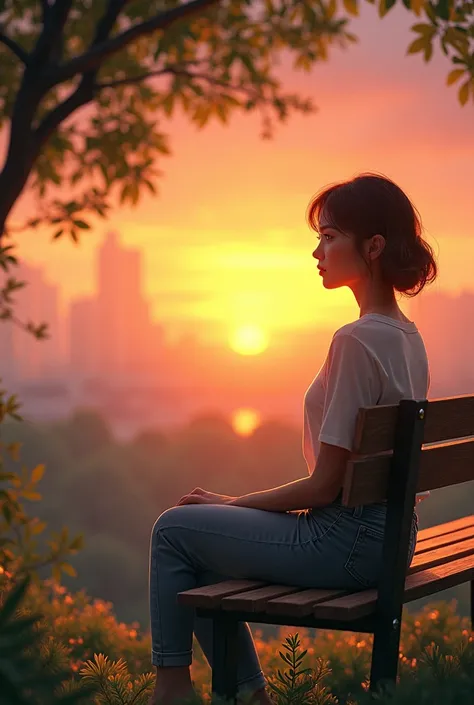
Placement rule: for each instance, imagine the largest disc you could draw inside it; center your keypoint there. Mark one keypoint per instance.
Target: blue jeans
(198, 544)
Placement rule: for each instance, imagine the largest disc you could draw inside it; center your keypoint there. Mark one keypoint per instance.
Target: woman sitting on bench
(370, 239)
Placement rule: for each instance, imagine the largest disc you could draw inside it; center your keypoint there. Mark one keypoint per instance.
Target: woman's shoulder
(374, 333)
(374, 324)
(353, 330)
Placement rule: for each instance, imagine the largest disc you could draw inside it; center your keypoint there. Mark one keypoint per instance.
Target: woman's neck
(392, 312)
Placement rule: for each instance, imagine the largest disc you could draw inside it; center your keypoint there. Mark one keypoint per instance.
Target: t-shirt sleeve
(353, 381)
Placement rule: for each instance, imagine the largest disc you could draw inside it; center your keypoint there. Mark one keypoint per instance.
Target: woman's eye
(327, 236)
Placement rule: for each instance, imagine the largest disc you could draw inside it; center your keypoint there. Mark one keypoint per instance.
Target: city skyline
(134, 340)
(118, 361)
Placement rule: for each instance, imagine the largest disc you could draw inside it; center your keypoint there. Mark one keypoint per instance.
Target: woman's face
(339, 261)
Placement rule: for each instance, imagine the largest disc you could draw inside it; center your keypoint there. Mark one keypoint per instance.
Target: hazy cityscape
(108, 353)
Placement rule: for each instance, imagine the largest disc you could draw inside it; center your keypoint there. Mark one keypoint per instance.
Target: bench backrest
(400, 450)
(447, 448)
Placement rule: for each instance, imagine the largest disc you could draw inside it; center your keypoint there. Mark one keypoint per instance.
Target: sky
(226, 244)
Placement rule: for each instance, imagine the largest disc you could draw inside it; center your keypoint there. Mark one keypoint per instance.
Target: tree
(80, 93)
(58, 58)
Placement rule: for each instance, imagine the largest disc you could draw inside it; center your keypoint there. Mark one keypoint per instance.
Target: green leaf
(56, 571)
(427, 30)
(7, 513)
(37, 473)
(31, 496)
(417, 6)
(464, 93)
(150, 185)
(385, 6)
(77, 543)
(442, 9)
(13, 601)
(168, 103)
(69, 569)
(418, 45)
(38, 528)
(352, 7)
(453, 76)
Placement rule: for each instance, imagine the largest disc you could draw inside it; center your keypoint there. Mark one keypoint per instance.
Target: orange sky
(226, 242)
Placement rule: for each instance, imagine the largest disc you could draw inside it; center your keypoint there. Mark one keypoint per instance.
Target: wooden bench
(399, 450)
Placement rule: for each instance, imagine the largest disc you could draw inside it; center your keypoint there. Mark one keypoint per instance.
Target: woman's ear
(376, 246)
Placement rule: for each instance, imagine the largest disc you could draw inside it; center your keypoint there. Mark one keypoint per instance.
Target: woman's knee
(172, 517)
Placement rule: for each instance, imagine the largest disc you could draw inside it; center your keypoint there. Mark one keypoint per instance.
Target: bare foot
(173, 686)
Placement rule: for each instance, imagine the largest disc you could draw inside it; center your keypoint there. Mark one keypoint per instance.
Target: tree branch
(14, 47)
(82, 95)
(130, 81)
(54, 18)
(148, 74)
(178, 72)
(93, 58)
(108, 20)
(85, 91)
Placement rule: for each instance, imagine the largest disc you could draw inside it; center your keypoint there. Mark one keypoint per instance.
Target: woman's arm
(295, 495)
(318, 490)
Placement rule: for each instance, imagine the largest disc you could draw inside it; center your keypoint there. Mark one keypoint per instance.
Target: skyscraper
(112, 335)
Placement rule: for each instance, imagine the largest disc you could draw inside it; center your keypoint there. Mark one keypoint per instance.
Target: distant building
(23, 356)
(112, 335)
(83, 336)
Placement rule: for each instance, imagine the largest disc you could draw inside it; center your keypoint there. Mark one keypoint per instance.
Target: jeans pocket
(364, 560)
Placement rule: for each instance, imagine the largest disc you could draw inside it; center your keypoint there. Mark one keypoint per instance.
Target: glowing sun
(249, 339)
(245, 421)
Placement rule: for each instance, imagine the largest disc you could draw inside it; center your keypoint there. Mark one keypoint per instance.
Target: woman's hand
(200, 496)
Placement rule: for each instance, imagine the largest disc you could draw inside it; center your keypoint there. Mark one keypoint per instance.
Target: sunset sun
(249, 339)
(245, 421)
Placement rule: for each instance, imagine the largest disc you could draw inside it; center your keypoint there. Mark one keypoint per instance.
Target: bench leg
(224, 657)
(385, 655)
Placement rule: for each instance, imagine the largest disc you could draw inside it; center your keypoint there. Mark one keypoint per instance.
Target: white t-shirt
(373, 360)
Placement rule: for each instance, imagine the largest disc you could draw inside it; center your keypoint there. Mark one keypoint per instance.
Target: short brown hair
(371, 203)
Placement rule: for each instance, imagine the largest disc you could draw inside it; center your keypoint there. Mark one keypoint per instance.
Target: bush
(57, 647)
(80, 641)
(33, 667)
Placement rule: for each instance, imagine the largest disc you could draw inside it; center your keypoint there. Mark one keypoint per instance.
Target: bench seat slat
(209, 596)
(253, 600)
(437, 546)
(301, 603)
(419, 584)
(447, 527)
(297, 602)
(444, 540)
